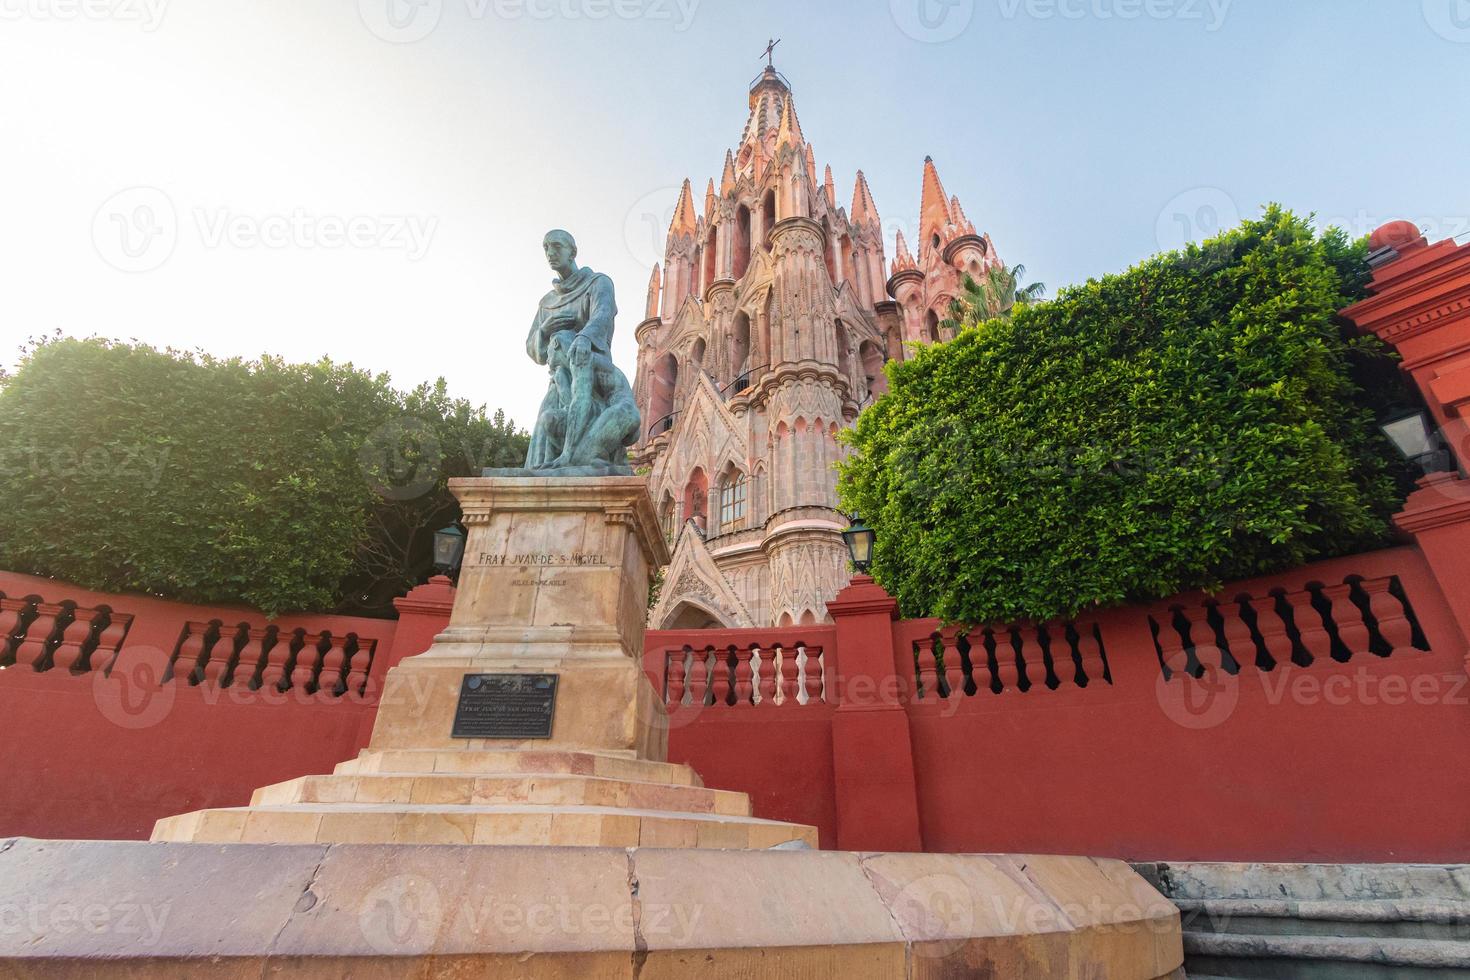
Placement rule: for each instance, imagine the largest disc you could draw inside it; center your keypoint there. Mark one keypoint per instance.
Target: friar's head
(561, 252)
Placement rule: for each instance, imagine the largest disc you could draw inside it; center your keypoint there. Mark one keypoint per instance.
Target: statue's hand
(581, 351)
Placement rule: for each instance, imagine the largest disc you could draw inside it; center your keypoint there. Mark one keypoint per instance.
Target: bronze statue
(589, 417)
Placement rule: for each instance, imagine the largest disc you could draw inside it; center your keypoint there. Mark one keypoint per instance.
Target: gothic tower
(766, 332)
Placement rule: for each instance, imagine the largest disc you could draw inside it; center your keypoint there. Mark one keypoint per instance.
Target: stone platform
(108, 909)
(488, 797)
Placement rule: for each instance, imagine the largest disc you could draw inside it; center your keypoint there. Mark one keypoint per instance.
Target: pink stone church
(766, 333)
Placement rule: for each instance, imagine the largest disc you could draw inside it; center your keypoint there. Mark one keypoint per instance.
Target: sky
(370, 180)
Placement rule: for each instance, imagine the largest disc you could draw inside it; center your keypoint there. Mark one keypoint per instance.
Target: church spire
(934, 215)
(727, 179)
(903, 259)
(863, 208)
(709, 200)
(655, 287)
(684, 221)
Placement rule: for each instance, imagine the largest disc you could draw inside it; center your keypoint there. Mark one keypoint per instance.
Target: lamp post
(859, 539)
(1413, 435)
(448, 549)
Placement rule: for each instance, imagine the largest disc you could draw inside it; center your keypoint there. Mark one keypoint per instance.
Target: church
(766, 331)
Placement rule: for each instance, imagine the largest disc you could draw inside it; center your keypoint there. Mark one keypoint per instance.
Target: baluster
(334, 663)
(1273, 634)
(767, 680)
(1089, 654)
(1238, 638)
(813, 675)
(721, 678)
(954, 670)
(788, 675)
(247, 664)
(358, 667)
(1006, 670)
(1309, 625)
(927, 666)
(10, 612)
(109, 641)
(191, 649)
(273, 675)
(674, 674)
(32, 649)
(1207, 652)
(699, 677)
(221, 658)
(743, 687)
(1031, 656)
(1393, 626)
(68, 655)
(308, 659)
(1351, 629)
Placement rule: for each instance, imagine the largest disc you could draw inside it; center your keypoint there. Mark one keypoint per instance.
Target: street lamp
(1413, 436)
(859, 539)
(448, 549)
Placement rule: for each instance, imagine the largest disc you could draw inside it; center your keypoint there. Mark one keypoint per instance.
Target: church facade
(766, 331)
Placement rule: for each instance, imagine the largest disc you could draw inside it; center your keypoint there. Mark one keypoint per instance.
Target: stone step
(540, 789)
(1378, 918)
(415, 762)
(1323, 958)
(522, 824)
(1310, 882)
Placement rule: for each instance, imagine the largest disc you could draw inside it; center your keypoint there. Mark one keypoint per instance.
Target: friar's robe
(589, 297)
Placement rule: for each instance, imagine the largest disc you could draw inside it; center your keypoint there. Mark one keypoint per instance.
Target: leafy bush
(281, 486)
(1193, 420)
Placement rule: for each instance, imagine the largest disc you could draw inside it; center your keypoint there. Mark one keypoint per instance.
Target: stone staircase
(567, 799)
(1320, 921)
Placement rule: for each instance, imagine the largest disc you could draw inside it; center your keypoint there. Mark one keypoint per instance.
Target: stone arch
(691, 614)
(734, 499)
(711, 257)
(739, 343)
(668, 511)
(696, 352)
(696, 498)
(827, 251)
(742, 241)
(665, 386)
(842, 339)
(931, 327)
(768, 216)
(873, 358)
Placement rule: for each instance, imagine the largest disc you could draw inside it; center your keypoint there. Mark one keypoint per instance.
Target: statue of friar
(589, 417)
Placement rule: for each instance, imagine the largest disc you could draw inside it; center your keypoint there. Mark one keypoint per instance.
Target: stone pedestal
(555, 582)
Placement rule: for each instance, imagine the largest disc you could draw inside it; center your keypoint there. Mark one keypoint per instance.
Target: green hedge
(280, 486)
(1199, 418)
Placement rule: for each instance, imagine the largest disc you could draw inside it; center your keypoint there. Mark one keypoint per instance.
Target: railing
(960, 663)
(745, 668)
(741, 383)
(220, 656)
(662, 425)
(1352, 619)
(43, 636)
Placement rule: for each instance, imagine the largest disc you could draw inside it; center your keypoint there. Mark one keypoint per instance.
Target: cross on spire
(770, 53)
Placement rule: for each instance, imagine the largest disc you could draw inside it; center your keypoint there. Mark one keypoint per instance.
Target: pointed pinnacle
(727, 179)
(684, 222)
(863, 208)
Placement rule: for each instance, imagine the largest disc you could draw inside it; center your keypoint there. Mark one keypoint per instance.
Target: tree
(997, 294)
(1192, 420)
(281, 486)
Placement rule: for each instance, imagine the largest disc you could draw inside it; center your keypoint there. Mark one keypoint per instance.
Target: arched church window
(732, 502)
(931, 324)
(768, 216)
(666, 518)
(742, 242)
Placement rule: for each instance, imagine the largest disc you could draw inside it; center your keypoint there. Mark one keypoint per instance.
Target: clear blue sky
(1081, 134)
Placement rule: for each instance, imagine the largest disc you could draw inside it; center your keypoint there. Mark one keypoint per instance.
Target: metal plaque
(509, 706)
